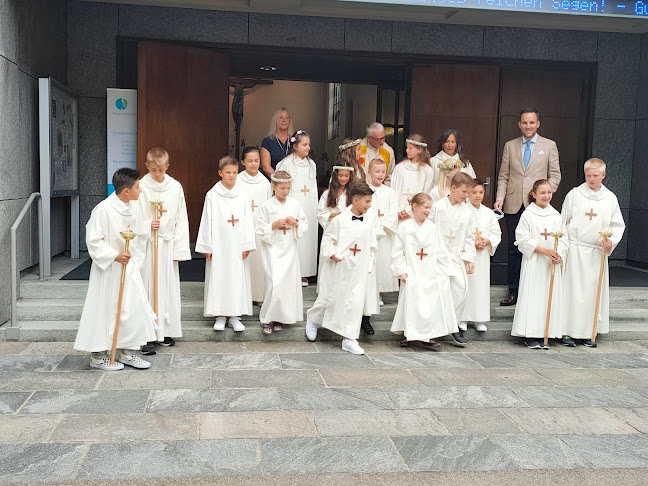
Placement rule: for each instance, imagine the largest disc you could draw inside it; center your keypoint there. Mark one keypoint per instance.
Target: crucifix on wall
(240, 85)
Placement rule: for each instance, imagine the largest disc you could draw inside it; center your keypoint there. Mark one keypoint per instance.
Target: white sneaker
(481, 327)
(381, 302)
(311, 330)
(352, 346)
(304, 283)
(463, 326)
(102, 362)
(236, 324)
(131, 359)
(219, 325)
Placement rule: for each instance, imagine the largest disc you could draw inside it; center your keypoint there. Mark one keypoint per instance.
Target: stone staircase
(49, 311)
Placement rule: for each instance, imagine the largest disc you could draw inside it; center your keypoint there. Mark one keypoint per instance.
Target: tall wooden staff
(157, 207)
(605, 235)
(556, 237)
(128, 235)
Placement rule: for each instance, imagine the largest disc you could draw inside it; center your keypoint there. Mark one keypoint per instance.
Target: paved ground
(304, 413)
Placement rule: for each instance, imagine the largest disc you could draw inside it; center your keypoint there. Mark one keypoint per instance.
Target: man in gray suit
(525, 160)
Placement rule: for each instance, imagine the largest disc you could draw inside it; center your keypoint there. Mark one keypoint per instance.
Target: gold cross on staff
(591, 214)
(355, 249)
(451, 236)
(233, 221)
(254, 205)
(305, 190)
(545, 234)
(421, 254)
(380, 215)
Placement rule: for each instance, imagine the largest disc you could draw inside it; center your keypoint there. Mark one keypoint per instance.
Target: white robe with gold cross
(385, 203)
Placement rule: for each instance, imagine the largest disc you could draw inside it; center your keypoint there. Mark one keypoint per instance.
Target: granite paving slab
(424, 360)
(11, 401)
(607, 361)
(369, 377)
(178, 459)
(454, 397)
(280, 347)
(171, 401)
(126, 427)
(56, 348)
(253, 425)
(265, 378)
(590, 377)
(542, 421)
(156, 380)
(480, 377)
(332, 455)
(309, 361)
(378, 423)
(634, 417)
(81, 362)
(35, 462)
(536, 360)
(610, 451)
(476, 421)
(466, 453)
(578, 397)
(87, 401)
(49, 380)
(7, 347)
(252, 361)
(25, 429)
(20, 362)
(539, 452)
(360, 398)
(203, 347)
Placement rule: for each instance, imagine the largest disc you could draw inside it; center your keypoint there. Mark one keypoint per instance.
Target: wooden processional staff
(157, 213)
(556, 237)
(606, 235)
(128, 235)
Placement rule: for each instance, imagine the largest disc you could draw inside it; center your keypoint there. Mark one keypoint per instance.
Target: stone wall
(32, 45)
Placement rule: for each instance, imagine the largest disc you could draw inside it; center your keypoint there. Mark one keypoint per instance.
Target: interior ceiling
(444, 15)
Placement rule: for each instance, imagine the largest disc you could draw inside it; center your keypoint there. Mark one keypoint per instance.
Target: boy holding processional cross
(117, 316)
(595, 226)
(163, 198)
(226, 237)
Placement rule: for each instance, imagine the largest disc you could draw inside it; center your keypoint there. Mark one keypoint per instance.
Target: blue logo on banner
(121, 103)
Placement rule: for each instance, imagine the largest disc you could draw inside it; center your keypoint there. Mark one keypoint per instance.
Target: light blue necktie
(527, 153)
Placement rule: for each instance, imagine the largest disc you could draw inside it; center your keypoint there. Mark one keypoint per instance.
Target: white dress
(583, 262)
(386, 205)
(137, 326)
(425, 309)
(477, 307)
(304, 189)
(258, 190)
(340, 303)
(283, 301)
(457, 226)
(173, 247)
(442, 157)
(226, 231)
(533, 295)
(324, 218)
(409, 179)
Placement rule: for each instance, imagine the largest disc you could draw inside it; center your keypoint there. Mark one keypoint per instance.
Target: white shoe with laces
(131, 359)
(352, 346)
(311, 330)
(236, 324)
(101, 361)
(481, 327)
(219, 325)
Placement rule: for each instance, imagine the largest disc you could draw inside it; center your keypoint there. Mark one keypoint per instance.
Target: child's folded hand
(123, 258)
(245, 254)
(208, 256)
(155, 225)
(291, 221)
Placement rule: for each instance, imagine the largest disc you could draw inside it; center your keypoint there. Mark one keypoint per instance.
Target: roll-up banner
(122, 131)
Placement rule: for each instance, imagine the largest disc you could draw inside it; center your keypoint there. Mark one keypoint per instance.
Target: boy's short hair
(227, 160)
(461, 178)
(124, 178)
(359, 189)
(476, 183)
(376, 161)
(157, 156)
(595, 164)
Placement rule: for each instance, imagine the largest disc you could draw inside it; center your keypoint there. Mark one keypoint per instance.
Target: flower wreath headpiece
(418, 144)
(353, 143)
(342, 167)
(294, 139)
(277, 179)
(449, 164)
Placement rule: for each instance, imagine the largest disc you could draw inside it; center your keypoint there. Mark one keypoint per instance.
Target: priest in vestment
(373, 146)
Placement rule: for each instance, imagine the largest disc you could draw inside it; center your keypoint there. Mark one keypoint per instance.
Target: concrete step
(192, 310)
(200, 331)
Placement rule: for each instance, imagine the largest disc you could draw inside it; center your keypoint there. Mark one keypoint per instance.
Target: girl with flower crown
(449, 147)
(303, 173)
(413, 175)
(350, 153)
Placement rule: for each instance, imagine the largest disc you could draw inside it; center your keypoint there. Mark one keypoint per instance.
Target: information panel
(122, 131)
(616, 8)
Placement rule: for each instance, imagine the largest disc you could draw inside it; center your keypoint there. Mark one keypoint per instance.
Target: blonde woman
(276, 146)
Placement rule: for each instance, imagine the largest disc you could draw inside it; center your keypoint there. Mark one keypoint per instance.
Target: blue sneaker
(568, 341)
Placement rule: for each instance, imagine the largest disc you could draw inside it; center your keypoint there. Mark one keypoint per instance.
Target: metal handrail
(14, 263)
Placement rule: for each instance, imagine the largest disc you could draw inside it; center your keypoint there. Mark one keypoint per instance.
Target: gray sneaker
(458, 339)
(102, 362)
(131, 359)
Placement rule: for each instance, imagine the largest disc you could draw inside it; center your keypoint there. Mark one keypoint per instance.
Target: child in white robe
(488, 235)
(303, 172)
(419, 258)
(413, 175)
(173, 245)
(533, 237)
(349, 246)
(385, 204)
(226, 237)
(116, 214)
(589, 210)
(456, 222)
(258, 190)
(450, 147)
(281, 223)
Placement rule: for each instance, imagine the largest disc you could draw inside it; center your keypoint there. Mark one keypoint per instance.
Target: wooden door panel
(183, 107)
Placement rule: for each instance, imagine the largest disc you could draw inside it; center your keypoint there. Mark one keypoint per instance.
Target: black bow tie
(359, 218)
